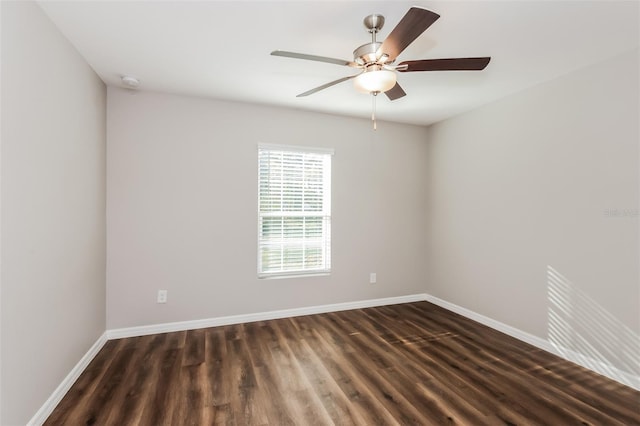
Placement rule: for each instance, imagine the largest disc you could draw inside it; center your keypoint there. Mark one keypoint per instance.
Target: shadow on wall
(580, 328)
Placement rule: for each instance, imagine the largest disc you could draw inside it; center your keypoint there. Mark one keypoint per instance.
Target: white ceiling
(220, 49)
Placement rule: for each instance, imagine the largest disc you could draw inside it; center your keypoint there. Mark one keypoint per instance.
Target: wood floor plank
(217, 362)
(159, 408)
(194, 347)
(135, 388)
(245, 399)
(306, 402)
(335, 402)
(190, 405)
(404, 364)
(270, 387)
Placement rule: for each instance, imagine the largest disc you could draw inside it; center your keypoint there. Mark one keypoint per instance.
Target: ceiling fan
(375, 59)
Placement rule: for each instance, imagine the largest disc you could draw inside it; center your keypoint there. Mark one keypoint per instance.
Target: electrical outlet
(372, 278)
(162, 296)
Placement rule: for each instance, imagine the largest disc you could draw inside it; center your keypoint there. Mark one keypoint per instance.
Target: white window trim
(294, 274)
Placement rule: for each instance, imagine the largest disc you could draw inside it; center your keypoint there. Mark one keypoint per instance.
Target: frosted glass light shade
(375, 81)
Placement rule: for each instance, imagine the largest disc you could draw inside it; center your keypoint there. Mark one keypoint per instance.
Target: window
(294, 211)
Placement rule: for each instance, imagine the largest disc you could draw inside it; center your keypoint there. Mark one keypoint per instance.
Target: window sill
(294, 275)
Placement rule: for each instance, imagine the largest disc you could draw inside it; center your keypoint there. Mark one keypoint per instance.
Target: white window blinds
(294, 219)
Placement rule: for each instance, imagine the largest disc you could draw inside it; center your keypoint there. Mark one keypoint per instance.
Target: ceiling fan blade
(414, 23)
(314, 58)
(324, 86)
(454, 64)
(395, 92)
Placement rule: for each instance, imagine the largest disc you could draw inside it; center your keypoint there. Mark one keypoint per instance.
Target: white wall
(182, 208)
(523, 196)
(53, 209)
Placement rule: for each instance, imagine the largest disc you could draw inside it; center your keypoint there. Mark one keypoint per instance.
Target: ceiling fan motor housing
(366, 54)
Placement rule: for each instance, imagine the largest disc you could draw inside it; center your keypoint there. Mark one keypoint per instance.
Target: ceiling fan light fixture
(375, 81)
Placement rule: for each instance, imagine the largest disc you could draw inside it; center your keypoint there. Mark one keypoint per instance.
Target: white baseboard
(568, 354)
(57, 395)
(261, 316)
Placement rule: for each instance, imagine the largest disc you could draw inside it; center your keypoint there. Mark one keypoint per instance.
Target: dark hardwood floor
(404, 364)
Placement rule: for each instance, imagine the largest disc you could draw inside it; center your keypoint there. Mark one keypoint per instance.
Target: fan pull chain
(373, 110)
